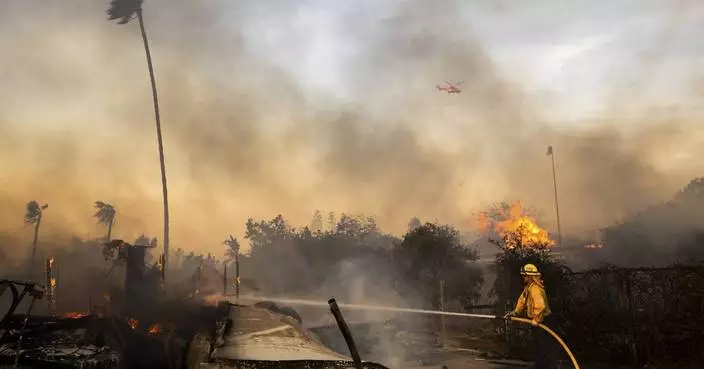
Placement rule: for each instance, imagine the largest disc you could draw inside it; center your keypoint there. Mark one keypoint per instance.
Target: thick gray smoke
(249, 132)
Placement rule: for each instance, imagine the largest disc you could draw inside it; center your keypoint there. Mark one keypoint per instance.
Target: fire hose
(418, 311)
(434, 312)
(515, 319)
(554, 335)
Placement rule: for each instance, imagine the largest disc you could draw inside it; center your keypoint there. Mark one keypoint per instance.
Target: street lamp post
(557, 207)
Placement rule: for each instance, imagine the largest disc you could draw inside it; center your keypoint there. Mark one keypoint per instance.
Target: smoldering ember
(351, 184)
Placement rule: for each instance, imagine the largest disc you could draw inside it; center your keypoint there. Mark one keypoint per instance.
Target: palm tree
(106, 216)
(34, 216)
(233, 252)
(125, 10)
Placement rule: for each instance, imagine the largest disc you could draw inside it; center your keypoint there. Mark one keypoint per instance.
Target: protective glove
(509, 314)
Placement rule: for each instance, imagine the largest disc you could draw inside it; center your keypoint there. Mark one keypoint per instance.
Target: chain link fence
(627, 316)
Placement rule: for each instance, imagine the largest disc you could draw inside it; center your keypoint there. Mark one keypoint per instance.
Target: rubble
(147, 331)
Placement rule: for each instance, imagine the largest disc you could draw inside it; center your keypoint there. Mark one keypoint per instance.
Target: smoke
(257, 121)
(364, 281)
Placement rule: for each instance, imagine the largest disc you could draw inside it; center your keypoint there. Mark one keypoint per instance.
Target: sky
(290, 106)
(574, 51)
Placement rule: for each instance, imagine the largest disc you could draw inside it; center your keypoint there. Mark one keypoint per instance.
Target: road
(259, 334)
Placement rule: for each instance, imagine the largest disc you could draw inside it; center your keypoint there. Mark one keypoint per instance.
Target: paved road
(259, 334)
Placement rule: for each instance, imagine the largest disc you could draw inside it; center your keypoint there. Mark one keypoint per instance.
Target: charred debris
(138, 328)
(141, 329)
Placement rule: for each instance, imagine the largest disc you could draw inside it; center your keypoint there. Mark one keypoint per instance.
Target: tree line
(297, 261)
(286, 259)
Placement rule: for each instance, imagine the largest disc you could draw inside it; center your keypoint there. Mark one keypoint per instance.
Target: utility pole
(51, 286)
(557, 207)
(237, 276)
(224, 279)
(235, 248)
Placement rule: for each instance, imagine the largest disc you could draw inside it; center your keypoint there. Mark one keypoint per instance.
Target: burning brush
(515, 227)
(75, 315)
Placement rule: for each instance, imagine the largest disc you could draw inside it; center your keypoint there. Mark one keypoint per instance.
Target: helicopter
(451, 88)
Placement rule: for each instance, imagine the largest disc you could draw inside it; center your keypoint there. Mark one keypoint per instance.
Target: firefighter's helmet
(530, 269)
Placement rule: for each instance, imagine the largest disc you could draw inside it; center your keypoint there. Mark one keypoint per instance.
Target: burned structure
(148, 330)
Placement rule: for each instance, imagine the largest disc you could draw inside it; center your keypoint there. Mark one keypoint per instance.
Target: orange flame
(155, 328)
(515, 227)
(214, 299)
(132, 323)
(74, 315)
(52, 282)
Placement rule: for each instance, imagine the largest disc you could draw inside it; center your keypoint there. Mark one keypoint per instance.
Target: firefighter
(533, 303)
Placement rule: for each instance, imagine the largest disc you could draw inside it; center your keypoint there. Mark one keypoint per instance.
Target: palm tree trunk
(159, 139)
(34, 246)
(110, 229)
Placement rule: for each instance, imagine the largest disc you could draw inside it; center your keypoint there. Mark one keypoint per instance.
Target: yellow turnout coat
(534, 301)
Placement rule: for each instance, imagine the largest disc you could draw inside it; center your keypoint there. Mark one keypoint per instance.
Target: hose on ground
(554, 335)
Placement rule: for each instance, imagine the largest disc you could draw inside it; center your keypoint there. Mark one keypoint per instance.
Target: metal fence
(636, 315)
(628, 316)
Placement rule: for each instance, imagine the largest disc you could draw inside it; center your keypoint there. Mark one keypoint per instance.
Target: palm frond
(123, 10)
(33, 212)
(105, 214)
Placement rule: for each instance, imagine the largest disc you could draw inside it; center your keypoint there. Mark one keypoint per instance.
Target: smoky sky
(248, 134)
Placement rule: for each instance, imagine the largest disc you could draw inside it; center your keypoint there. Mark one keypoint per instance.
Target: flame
(154, 328)
(52, 282)
(214, 299)
(74, 315)
(132, 323)
(483, 222)
(515, 228)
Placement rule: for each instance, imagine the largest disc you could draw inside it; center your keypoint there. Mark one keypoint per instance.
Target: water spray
(416, 311)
